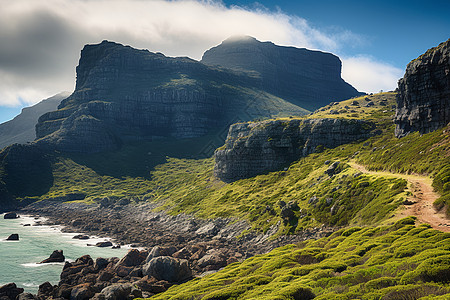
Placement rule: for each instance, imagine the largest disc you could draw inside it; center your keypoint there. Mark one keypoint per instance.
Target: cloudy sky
(40, 41)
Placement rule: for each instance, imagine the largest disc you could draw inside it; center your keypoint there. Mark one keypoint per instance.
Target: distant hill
(21, 129)
(309, 79)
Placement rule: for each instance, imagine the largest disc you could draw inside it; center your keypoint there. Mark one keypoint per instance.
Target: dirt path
(422, 197)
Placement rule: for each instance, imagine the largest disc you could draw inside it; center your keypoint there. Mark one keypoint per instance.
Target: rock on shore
(56, 256)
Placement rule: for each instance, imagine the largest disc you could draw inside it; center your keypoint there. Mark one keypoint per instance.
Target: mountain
(333, 210)
(125, 95)
(309, 79)
(21, 129)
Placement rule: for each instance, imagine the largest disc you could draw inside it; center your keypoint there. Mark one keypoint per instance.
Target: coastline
(183, 244)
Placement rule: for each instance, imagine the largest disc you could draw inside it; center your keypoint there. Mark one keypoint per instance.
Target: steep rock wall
(423, 100)
(307, 78)
(256, 148)
(123, 94)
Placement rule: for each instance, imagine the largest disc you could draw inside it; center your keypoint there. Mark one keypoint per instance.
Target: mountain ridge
(21, 129)
(308, 78)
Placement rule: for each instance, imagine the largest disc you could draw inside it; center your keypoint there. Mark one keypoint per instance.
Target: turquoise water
(18, 258)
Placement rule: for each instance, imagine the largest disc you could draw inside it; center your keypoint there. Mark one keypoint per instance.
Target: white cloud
(369, 75)
(40, 41)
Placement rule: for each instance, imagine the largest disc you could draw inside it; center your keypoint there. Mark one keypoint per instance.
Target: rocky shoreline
(172, 249)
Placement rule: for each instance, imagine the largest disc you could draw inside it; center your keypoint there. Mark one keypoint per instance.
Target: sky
(40, 41)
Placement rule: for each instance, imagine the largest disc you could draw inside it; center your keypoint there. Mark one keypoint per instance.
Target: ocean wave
(35, 265)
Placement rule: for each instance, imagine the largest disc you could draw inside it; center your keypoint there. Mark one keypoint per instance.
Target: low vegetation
(400, 261)
(314, 197)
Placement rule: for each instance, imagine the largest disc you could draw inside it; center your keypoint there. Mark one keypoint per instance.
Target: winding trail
(422, 198)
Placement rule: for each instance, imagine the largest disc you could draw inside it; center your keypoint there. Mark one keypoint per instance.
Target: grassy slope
(187, 185)
(400, 261)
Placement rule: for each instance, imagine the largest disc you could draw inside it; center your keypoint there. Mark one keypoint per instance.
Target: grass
(400, 261)
(181, 183)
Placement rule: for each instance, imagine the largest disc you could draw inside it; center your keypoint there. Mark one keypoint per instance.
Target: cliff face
(256, 148)
(309, 79)
(124, 94)
(423, 101)
(21, 129)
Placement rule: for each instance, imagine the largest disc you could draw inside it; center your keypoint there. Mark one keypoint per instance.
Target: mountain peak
(304, 77)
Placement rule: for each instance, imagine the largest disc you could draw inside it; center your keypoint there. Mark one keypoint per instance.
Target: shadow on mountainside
(140, 158)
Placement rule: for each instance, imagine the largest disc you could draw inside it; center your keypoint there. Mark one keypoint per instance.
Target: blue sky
(392, 31)
(40, 41)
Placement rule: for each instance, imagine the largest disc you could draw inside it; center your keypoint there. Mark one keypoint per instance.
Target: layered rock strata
(423, 100)
(259, 147)
(124, 94)
(309, 79)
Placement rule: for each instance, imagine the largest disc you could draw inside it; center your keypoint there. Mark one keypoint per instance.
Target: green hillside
(400, 261)
(163, 172)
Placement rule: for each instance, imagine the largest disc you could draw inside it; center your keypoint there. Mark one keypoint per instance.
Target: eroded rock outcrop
(124, 94)
(423, 100)
(256, 148)
(309, 79)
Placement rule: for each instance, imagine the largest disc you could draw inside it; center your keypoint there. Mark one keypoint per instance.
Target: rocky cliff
(21, 129)
(25, 170)
(423, 101)
(123, 94)
(309, 79)
(256, 148)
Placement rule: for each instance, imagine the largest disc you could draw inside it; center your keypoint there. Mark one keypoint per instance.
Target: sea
(19, 259)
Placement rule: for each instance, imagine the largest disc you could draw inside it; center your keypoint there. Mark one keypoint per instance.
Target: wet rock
(168, 268)
(13, 237)
(56, 256)
(10, 291)
(81, 237)
(10, 215)
(104, 244)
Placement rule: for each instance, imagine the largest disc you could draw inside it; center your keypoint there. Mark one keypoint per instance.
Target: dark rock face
(10, 215)
(307, 78)
(423, 100)
(10, 291)
(124, 94)
(13, 237)
(26, 171)
(56, 256)
(256, 148)
(21, 129)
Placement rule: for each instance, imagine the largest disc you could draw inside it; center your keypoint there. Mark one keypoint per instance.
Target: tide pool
(18, 259)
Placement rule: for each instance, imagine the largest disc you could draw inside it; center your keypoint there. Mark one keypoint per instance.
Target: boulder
(10, 215)
(13, 237)
(133, 258)
(82, 292)
(81, 237)
(26, 296)
(10, 290)
(56, 256)
(104, 244)
(167, 268)
(117, 291)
